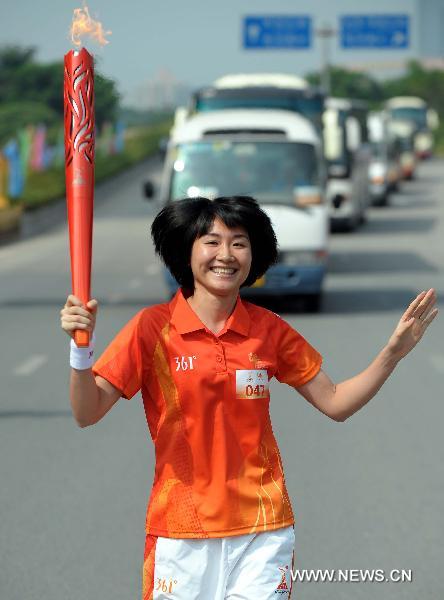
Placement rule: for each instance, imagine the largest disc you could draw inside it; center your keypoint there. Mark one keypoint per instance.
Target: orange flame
(83, 24)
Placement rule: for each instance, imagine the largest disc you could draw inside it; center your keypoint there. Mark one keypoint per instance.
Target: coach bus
(347, 153)
(261, 90)
(425, 120)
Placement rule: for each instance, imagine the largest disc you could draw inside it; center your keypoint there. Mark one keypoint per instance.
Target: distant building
(430, 28)
(163, 91)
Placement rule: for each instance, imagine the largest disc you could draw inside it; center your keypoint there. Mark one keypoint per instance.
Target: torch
(78, 90)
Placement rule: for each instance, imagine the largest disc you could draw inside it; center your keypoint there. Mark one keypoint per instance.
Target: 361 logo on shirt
(185, 363)
(252, 383)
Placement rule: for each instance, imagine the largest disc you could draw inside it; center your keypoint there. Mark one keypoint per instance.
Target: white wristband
(82, 358)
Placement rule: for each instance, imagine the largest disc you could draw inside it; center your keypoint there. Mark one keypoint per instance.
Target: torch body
(79, 171)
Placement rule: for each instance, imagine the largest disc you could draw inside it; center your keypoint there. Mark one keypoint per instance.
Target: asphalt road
(367, 493)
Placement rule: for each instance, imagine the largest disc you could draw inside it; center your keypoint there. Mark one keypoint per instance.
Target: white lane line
(135, 283)
(116, 297)
(153, 269)
(31, 365)
(437, 361)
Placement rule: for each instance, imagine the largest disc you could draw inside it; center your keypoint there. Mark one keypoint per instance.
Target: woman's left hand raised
(413, 324)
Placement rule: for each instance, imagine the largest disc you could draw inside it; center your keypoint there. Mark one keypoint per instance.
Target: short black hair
(181, 222)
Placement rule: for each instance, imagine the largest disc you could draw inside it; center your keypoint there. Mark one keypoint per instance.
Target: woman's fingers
(425, 305)
(78, 319)
(73, 301)
(426, 309)
(75, 310)
(425, 321)
(93, 305)
(413, 306)
(74, 315)
(420, 304)
(73, 325)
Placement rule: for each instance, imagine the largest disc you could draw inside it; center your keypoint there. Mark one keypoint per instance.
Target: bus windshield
(409, 113)
(254, 168)
(307, 104)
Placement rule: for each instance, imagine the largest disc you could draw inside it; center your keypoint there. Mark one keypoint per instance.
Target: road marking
(116, 297)
(153, 269)
(135, 283)
(437, 361)
(31, 365)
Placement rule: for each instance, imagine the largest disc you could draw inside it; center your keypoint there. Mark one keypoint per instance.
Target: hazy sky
(196, 41)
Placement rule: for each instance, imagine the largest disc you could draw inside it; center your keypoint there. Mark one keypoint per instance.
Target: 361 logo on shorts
(282, 588)
(252, 383)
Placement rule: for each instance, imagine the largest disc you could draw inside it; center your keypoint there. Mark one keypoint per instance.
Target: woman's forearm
(354, 393)
(84, 396)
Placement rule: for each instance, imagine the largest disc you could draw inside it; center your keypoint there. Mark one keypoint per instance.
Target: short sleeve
(121, 362)
(297, 360)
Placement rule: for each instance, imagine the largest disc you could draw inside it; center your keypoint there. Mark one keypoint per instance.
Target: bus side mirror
(148, 190)
(432, 119)
(163, 145)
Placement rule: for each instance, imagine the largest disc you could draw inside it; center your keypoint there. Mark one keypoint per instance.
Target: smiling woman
(219, 522)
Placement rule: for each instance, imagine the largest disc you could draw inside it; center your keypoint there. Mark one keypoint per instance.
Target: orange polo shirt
(206, 398)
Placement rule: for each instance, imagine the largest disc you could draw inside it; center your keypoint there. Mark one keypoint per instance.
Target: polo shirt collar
(185, 319)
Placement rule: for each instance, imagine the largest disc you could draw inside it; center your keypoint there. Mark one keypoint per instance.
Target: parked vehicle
(347, 153)
(274, 156)
(423, 118)
(385, 169)
(404, 133)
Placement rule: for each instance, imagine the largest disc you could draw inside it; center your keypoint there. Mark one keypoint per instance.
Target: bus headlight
(307, 196)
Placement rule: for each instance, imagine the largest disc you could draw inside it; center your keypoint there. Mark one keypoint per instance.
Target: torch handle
(81, 338)
(79, 172)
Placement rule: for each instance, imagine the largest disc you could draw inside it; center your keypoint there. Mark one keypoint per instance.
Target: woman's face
(221, 259)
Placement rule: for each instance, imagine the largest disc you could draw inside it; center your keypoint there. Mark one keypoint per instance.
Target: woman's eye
(212, 242)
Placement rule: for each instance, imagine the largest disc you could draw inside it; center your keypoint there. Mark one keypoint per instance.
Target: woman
(219, 523)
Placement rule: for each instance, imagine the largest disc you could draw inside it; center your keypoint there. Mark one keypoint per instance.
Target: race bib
(252, 383)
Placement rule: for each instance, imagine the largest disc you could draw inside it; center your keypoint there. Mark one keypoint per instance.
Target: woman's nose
(225, 254)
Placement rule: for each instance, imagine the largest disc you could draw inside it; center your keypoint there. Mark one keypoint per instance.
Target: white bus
(261, 90)
(348, 158)
(425, 120)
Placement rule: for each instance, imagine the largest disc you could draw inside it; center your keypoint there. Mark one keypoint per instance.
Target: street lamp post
(325, 33)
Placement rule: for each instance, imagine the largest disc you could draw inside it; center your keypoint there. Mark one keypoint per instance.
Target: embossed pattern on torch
(78, 90)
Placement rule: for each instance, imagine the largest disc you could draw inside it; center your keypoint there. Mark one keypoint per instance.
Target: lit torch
(78, 87)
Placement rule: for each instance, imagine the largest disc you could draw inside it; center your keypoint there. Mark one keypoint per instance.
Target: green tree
(12, 59)
(417, 81)
(350, 84)
(16, 115)
(22, 79)
(106, 99)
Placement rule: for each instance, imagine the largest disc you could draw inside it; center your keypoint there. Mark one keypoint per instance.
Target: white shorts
(242, 567)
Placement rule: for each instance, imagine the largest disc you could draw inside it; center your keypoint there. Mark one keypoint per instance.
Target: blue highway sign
(277, 31)
(375, 31)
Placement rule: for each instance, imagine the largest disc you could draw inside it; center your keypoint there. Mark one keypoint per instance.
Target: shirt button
(219, 358)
